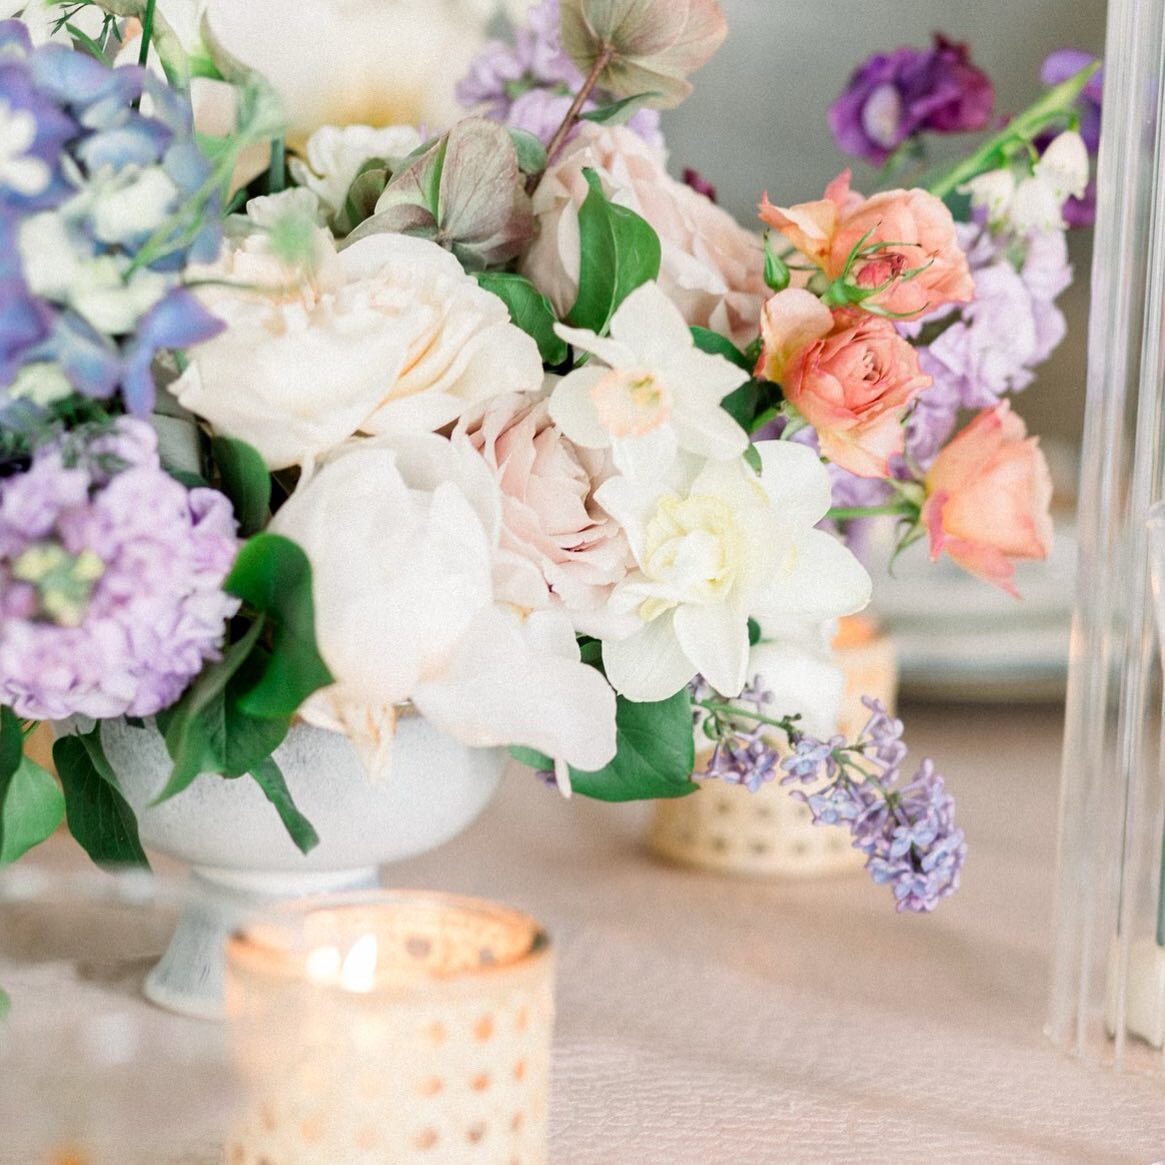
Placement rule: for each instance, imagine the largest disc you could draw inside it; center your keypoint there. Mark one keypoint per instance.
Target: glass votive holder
(391, 1026)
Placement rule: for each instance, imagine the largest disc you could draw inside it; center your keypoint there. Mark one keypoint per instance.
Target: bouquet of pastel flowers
(313, 411)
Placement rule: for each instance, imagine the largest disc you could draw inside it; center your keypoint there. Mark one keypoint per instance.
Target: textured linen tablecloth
(706, 1019)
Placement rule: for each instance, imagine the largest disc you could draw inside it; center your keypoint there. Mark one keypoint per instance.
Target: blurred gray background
(757, 118)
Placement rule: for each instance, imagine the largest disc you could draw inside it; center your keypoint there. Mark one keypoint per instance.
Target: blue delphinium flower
(104, 200)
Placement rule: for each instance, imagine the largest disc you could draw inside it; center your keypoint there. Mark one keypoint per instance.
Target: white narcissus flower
(653, 393)
(402, 537)
(334, 154)
(715, 545)
(389, 335)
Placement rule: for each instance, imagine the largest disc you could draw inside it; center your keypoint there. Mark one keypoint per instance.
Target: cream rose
(711, 268)
(387, 336)
(550, 519)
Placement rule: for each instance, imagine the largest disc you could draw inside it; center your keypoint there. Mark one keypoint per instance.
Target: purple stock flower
(891, 97)
(111, 574)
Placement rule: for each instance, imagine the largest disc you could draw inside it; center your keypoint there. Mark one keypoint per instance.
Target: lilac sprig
(907, 832)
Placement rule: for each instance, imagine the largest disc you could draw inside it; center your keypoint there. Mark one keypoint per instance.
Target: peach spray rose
(987, 498)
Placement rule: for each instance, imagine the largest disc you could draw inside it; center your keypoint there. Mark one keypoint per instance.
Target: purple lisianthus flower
(891, 97)
(111, 574)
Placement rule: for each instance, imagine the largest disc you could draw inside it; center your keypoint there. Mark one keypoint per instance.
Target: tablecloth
(707, 1019)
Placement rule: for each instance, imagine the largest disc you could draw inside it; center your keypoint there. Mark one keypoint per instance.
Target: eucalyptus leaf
(31, 807)
(273, 575)
(99, 817)
(245, 481)
(269, 778)
(529, 309)
(618, 251)
(655, 753)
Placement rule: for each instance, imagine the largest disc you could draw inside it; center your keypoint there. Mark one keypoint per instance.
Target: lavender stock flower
(111, 577)
(891, 97)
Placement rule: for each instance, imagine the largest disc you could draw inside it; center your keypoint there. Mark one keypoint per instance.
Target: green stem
(844, 513)
(592, 79)
(147, 32)
(1056, 103)
(785, 724)
(276, 180)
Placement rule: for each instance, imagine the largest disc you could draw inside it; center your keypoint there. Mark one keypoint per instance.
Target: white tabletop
(706, 1019)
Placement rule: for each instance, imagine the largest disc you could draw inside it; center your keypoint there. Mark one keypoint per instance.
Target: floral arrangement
(303, 418)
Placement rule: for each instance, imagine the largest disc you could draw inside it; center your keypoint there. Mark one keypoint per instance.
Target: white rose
(388, 335)
(711, 268)
(715, 545)
(402, 537)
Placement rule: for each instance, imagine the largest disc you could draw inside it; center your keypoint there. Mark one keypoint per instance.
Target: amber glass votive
(391, 1027)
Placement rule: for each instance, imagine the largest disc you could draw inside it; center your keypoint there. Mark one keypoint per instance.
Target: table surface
(707, 1019)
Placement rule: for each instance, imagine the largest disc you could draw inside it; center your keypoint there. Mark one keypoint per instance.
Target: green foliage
(245, 481)
(268, 777)
(273, 576)
(529, 309)
(618, 112)
(530, 151)
(618, 250)
(99, 817)
(31, 807)
(717, 345)
(654, 755)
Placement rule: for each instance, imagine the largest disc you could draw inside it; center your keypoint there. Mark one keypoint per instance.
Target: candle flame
(359, 971)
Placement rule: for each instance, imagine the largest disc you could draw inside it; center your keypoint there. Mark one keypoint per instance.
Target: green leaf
(99, 817)
(530, 150)
(531, 757)
(273, 575)
(5, 1003)
(619, 251)
(11, 743)
(196, 729)
(270, 780)
(363, 194)
(618, 112)
(717, 345)
(655, 753)
(529, 309)
(754, 632)
(245, 481)
(741, 404)
(30, 809)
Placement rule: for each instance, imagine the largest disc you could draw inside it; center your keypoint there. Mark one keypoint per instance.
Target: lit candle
(392, 1027)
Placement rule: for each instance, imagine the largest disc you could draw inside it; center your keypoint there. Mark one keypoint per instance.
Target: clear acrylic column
(1108, 989)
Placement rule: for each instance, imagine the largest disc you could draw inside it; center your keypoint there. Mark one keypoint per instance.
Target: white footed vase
(243, 858)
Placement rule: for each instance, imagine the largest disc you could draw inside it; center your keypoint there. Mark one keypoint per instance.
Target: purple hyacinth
(1057, 67)
(891, 97)
(101, 208)
(111, 574)
(907, 832)
(530, 83)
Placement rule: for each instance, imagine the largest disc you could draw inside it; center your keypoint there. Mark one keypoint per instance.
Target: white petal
(649, 665)
(650, 324)
(822, 579)
(795, 479)
(715, 639)
(649, 456)
(709, 431)
(611, 352)
(573, 411)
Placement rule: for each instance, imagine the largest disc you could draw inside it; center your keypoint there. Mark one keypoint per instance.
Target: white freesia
(653, 393)
(1064, 165)
(402, 537)
(715, 545)
(388, 335)
(334, 154)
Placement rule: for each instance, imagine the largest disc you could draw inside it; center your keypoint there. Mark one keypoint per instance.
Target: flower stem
(1054, 104)
(147, 32)
(591, 80)
(845, 513)
(785, 724)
